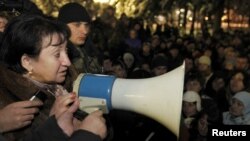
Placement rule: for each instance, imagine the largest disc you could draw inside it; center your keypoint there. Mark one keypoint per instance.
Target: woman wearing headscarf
(239, 111)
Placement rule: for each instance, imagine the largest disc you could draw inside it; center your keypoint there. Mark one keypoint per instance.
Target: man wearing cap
(159, 65)
(205, 68)
(78, 21)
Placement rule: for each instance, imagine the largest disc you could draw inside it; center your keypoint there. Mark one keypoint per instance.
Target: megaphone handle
(80, 114)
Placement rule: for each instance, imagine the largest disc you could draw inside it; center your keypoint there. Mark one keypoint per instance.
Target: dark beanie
(73, 12)
(159, 61)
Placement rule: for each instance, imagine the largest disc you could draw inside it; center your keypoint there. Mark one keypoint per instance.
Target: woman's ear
(26, 62)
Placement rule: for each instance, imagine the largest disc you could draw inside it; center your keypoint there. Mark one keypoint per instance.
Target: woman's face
(193, 85)
(218, 84)
(237, 107)
(189, 108)
(236, 82)
(52, 63)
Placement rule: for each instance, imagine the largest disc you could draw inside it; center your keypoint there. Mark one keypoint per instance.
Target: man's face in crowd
(79, 32)
(3, 22)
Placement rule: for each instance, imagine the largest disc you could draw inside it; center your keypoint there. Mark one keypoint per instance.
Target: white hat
(192, 96)
(244, 97)
(128, 55)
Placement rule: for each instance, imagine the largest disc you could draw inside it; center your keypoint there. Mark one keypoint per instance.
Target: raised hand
(65, 120)
(61, 104)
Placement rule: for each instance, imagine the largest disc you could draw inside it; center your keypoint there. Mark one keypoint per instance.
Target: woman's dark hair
(24, 35)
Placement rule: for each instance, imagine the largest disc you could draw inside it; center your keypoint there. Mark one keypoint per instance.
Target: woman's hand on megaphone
(62, 104)
(95, 123)
(66, 119)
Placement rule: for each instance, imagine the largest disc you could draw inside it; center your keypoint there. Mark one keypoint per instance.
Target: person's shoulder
(225, 114)
(247, 119)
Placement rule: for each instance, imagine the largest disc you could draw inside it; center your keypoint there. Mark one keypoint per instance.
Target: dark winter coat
(14, 87)
(50, 131)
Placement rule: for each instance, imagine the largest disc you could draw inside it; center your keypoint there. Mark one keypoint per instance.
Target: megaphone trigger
(90, 104)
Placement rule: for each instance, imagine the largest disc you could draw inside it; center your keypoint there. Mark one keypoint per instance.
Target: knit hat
(159, 61)
(244, 97)
(191, 96)
(128, 59)
(73, 12)
(205, 60)
(128, 55)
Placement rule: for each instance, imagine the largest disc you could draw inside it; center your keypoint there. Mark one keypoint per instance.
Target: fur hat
(192, 96)
(73, 12)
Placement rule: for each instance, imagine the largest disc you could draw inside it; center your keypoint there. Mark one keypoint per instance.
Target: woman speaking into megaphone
(34, 59)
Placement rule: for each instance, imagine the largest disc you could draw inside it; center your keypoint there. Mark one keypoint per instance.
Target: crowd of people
(45, 54)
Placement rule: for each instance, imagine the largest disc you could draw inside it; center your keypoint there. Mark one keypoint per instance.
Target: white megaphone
(159, 98)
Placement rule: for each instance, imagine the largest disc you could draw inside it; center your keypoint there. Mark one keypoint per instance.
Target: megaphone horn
(159, 98)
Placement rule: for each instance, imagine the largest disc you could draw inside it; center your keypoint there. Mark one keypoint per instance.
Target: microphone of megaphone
(159, 98)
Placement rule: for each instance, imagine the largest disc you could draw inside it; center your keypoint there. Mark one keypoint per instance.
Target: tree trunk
(185, 17)
(228, 14)
(218, 13)
(193, 21)
(248, 21)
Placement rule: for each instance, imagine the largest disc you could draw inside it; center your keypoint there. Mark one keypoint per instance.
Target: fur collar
(16, 84)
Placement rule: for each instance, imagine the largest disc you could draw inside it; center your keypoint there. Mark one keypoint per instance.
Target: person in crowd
(242, 63)
(3, 20)
(239, 111)
(194, 82)
(216, 89)
(175, 59)
(106, 63)
(239, 81)
(133, 41)
(130, 61)
(191, 106)
(34, 58)
(80, 51)
(205, 68)
(189, 64)
(201, 125)
(145, 52)
(195, 117)
(144, 65)
(159, 65)
(119, 68)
